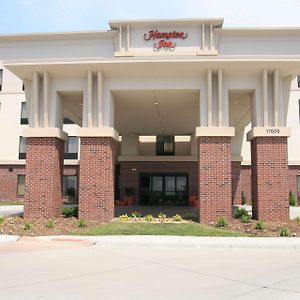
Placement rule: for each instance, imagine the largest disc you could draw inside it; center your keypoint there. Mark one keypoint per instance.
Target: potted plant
(129, 196)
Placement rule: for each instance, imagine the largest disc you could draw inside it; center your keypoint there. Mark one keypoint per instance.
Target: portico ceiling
(155, 112)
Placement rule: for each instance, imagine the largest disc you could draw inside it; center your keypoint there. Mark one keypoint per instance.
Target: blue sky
(69, 15)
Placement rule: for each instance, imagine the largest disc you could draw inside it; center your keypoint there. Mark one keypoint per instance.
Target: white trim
(214, 131)
(45, 132)
(98, 132)
(263, 132)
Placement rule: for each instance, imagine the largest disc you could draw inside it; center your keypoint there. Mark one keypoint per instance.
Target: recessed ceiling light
(156, 103)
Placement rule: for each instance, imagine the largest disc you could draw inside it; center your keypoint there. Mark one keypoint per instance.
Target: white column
(46, 98)
(128, 38)
(210, 37)
(265, 96)
(100, 98)
(220, 98)
(89, 99)
(209, 98)
(276, 97)
(203, 37)
(34, 109)
(120, 37)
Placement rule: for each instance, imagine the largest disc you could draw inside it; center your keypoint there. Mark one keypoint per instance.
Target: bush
(221, 222)
(259, 225)
(2, 219)
(177, 218)
(240, 212)
(136, 214)
(50, 224)
(245, 218)
(27, 226)
(161, 216)
(292, 199)
(69, 212)
(298, 220)
(149, 218)
(124, 217)
(244, 199)
(82, 223)
(284, 231)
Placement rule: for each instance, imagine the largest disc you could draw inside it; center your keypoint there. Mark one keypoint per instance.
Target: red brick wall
(236, 182)
(215, 192)
(130, 178)
(270, 178)
(294, 171)
(96, 178)
(246, 183)
(44, 163)
(8, 182)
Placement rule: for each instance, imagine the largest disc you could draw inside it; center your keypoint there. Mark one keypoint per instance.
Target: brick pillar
(214, 178)
(269, 160)
(44, 165)
(236, 183)
(96, 178)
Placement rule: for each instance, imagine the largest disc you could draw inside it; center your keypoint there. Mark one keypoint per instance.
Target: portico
(176, 111)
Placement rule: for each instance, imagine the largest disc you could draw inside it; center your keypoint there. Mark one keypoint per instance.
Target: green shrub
(82, 223)
(177, 218)
(259, 225)
(240, 212)
(221, 222)
(69, 212)
(284, 231)
(2, 219)
(124, 217)
(298, 220)
(50, 224)
(245, 218)
(244, 199)
(292, 199)
(149, 218)
(161, 216)
(136, 214)
(27, 226)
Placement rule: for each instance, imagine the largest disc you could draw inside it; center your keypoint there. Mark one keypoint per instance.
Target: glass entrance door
(163, 189)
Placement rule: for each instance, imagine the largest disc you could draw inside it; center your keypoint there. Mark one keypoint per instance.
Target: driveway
(33, 269)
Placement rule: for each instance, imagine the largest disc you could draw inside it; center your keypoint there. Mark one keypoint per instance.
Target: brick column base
(214, 178)
(96, 178)
(236, 183)
(269, 160)
(44, 165)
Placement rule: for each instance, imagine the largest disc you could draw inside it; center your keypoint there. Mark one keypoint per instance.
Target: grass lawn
(11, 203)
(183, 229)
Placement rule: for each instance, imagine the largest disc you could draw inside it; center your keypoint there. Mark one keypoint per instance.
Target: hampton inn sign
(164, 40)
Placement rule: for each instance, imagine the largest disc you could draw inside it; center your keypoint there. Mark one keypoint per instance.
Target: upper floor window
(71, 148)
(165, 145)
(1, 79)
(22, 147)
(24, 116)
(298, 80)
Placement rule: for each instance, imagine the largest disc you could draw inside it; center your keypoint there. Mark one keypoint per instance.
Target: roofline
(56, 35)
(116, 23)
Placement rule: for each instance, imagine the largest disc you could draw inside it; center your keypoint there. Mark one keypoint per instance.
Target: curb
(8, 238)
(187, 242)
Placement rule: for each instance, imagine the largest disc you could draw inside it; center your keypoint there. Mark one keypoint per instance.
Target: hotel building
(173, 112)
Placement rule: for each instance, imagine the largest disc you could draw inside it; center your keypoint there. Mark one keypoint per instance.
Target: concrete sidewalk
(184, 241)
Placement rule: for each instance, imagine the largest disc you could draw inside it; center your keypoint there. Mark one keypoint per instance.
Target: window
(298, 80)
(165, 145)
(70, 186)
(22, 147)
(21, 185)
(1, 79)
(71, 148)
(67, 121)
(24, 116)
